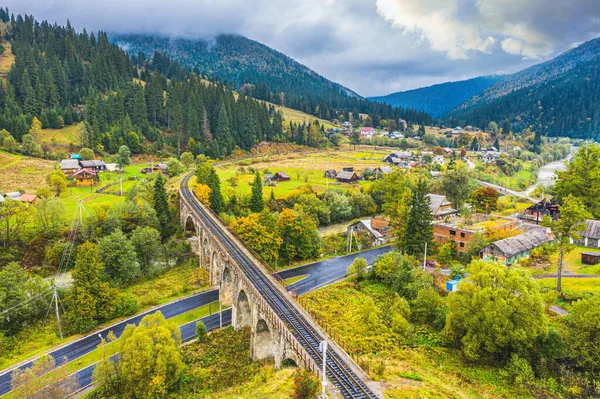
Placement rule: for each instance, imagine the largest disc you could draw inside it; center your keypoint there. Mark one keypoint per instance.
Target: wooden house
(511, 249)
(281, 176)
(377, 228)
(590, 258)
(69, 166)
(330, 174)
(85, 177)
(347, 177)
(537, 211)
(440, 207)
(94, 164)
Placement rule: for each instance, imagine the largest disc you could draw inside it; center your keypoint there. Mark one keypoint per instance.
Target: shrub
(201, 332)
(306, 386)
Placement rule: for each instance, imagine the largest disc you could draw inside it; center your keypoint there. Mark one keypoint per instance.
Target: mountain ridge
(439, 98)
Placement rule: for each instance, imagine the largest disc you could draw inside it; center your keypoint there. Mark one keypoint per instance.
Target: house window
(462, 244)
(462, 235)
(452, 232)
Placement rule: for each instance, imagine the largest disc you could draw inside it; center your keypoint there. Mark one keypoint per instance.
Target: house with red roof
(367, 132)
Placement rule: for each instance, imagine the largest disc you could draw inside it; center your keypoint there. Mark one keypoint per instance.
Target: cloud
(371, 46)
(528, 28)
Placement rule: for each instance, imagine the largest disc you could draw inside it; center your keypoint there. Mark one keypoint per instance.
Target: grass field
(65, 136)
(572, 262)
(573, 287)
(303, 169)
(18, 172)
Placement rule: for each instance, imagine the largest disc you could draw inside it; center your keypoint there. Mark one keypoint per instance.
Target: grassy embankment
(417, 367)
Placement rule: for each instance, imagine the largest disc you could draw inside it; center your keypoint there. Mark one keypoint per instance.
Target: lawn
(572, 262)
(573, 288)
(6, 60)
(423, 368)
(303, 170)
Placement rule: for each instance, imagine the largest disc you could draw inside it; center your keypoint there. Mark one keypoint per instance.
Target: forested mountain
(264, 73)
(539, 73)
(560, 97)
(61, 77)
(441, 98)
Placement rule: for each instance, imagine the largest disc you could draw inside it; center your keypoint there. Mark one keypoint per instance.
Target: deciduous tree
(485, 199)
(258, 236)
(57, 181)
(497, 311)
(568, 227)
(202, 192)
(187, 159)
(35, 383)
(119, 258)
(123, 157)
(584, 332)
(146, 241)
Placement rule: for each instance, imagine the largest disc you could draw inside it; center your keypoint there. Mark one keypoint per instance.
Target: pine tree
(419, 231)
(256, 202)
(216, 199)
(161, 205)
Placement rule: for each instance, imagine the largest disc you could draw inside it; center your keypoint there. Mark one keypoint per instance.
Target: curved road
(319, 274)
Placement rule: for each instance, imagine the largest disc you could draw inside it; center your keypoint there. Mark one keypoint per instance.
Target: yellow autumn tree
(36, 126)
(203, 193)
(257, 236)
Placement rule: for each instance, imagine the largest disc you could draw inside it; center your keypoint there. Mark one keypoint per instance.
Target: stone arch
(243, 315)
(189, 228)
(215, 269)
(263, 346)
(226, 286)
(289, 362)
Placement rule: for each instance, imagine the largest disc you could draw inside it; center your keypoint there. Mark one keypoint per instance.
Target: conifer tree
(161, 205)
(419, 231)
(256, 202)
(216, 199)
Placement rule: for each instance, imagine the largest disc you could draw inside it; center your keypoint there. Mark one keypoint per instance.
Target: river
(546, 174)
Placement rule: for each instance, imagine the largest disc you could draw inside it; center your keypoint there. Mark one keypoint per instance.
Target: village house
(440, 207)
(509, 250)
(15, 195)
(85, 177)
(367, 132)
(448, 152)
(347, 176)
(591, 236)
(28, 198)
(347, 125)
(461, 236)
(488, 158)
(439, 159)
(384, 170)
(69, 166)
(281, 176)
(94, 164)
(378, 229)
(397, 157)
(330, 174)
(536, 212)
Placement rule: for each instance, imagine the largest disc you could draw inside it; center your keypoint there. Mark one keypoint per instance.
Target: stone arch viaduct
(280, 329)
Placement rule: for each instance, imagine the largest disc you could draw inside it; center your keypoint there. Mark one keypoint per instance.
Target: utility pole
(323, 348)
(120, 185)
(425, 257)
(55, 299)
(220, 303)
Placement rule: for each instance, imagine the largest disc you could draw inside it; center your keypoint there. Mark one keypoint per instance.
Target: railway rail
(338, 372)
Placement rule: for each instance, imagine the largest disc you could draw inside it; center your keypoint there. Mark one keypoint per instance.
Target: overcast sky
(374, 47)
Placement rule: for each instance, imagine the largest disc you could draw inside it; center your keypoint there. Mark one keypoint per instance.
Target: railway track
(343, 378)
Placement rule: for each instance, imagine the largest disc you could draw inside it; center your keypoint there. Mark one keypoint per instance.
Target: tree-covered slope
(263, 73)
(539, 73)
(441, 98)
(562, 97)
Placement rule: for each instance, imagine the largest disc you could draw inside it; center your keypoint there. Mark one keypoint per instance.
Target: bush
(201, 332)
(126, 306)
(306, 386)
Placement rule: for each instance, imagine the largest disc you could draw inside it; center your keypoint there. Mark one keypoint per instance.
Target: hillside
(261, 72)
(539, 73)
(441, 98)
(560, 97)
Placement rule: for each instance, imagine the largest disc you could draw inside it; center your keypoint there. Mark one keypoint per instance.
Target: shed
(281, 176)
(330, 174)
(346, 177)
(28, 198)
(452, 285)
(590, 258)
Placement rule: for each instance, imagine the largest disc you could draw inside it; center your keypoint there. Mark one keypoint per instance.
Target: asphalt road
(85, 376)
(326, 271)
(84, 345)
(319, 274)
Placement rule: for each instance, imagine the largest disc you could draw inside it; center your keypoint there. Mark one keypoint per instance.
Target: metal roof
(592, 229)
(525, 242)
